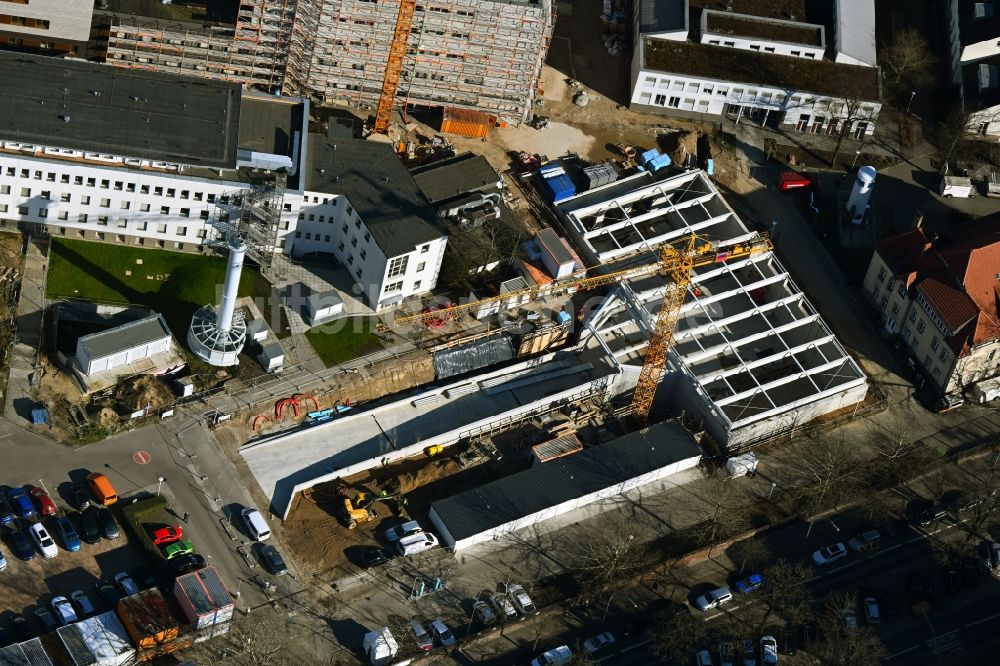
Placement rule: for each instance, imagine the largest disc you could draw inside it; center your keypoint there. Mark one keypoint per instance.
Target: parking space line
(636, 645)
(902, 652)
(981, 620)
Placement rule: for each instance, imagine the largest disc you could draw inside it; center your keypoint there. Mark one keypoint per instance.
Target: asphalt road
(198, 480)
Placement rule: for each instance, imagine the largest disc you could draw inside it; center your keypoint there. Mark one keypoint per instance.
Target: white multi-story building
(745, 66)
(52, 26)
(973, 30)
(127, 157)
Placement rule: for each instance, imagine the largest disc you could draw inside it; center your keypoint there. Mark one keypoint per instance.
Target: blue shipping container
(560, 187)
(648, 155)
(658, 162)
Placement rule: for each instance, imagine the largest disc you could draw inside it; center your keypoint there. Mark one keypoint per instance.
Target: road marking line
(636, 645)
(985, 619)
(902, 652)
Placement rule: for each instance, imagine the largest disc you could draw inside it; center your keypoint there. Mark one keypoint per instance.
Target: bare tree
(907, 62)
(978, 506)
(831, 469)
(853, 107)
(612, 559)
(675, 637)
(954, 125)
(752, 553)
(841, 645)
(261, 638)
(788, 595)
(724, 514)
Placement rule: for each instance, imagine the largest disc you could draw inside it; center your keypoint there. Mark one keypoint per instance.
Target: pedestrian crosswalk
(945, 643)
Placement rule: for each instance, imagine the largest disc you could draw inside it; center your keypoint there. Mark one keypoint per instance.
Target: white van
(416, 543)
(986, 390)
(255, 524)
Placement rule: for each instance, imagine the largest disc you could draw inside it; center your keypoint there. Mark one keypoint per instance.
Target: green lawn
(174, 284)
(344, 339)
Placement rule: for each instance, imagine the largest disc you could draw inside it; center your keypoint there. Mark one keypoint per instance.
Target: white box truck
(381, 648)
(986, 390)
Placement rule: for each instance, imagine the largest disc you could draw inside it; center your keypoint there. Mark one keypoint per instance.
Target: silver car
(713, 599)
(442, 634)
(423, 638)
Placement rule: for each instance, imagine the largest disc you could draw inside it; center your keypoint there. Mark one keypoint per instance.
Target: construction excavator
(676, 260)
(358, 511)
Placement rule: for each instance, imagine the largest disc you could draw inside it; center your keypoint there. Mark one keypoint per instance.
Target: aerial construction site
(484, 57)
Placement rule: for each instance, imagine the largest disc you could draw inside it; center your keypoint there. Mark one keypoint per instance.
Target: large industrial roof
(120, 338)
(379, 187)
(96, 108)
(444, 180)
(564, 479)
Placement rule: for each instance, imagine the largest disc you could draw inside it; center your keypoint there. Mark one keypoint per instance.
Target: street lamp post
(42, 486)
(771, 492)
(912, 95)
(159, 484)
(857, 154)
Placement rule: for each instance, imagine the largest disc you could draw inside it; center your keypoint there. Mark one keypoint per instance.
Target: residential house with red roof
(939, 295)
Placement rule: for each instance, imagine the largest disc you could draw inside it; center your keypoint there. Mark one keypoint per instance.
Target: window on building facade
(397, 266)
(881, 275)
(394, 287)
(675, 102)
(660, 100)
(921, 326)
(934, 343)
(424, 249)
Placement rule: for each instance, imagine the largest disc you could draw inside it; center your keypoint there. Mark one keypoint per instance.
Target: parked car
(503, 607)
(169, 534)
(67, 533)
(373, 557)
(3, 562)
(423, 639)
(599, 642)
(143, 578)
(81, 497)
(865, 540)
(829, 554)
(23, 629)
(930, 515)
(46, 619)
(703, 658)
(63, 610)
(417, 543)
(90, 526)
(871, 610)
(109, 528)
(750, 583)
(46, 506)
(483, 614)
(768, 650)
(41, 537)
(6, 515)
(559, 655)
(126, 584)
(177, 549)
(186, 563)
(271, 559)
(21, 546)
(713, 599)
(441, 633)
(107, 590)
(850, 618)
(749, 652)
(400, 531)
(21, 504)
(520, 599)
(84, 606)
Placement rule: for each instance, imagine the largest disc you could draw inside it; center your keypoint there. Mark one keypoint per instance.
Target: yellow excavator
(356, 511)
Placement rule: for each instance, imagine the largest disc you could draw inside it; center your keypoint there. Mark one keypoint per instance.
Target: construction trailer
(151, 625)
(204, 601)
(480, 55)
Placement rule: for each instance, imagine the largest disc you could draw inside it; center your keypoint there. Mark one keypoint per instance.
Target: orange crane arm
(394, 65)
(704, 254)
(678, 260)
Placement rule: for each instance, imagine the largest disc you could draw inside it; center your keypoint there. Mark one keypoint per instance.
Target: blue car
(21, 545)
(66, 532)
(749, 584)
(21, 504)
(6, 515)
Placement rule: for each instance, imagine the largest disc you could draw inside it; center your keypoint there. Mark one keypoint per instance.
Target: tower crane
(676, 259)
(394, 64)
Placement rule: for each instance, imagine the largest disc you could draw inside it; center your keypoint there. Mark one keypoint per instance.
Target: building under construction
(479, 55)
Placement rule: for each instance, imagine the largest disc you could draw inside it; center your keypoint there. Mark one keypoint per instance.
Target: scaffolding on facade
(254, 215)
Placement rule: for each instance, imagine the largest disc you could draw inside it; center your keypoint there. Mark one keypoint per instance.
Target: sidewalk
(23, 380)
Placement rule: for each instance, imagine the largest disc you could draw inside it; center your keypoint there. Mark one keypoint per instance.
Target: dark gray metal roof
(13, 655)
(379, 188)
(457, 175)
(126, 336)
(268, 124)
(473, 355)
(77, 648)
(550, 241)
(35, 653)
(161, 117)
(563, 479)
(206, 591)
(662, 15)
